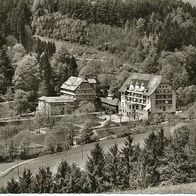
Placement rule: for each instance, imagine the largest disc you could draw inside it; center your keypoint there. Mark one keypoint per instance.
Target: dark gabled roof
(73, 82)
(113, 102)
(150, 82)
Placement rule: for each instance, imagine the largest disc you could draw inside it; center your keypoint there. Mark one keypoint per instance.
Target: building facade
(144, 94)
(53, 106)
(110, 104)
(80, 89)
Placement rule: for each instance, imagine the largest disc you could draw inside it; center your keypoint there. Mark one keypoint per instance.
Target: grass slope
(172, 189)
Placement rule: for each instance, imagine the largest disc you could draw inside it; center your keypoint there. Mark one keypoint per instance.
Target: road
(73, 155)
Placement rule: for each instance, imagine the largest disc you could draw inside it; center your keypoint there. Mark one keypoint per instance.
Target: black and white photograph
(98, 96)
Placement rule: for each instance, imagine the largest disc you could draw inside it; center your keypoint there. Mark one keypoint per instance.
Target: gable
(147, 83)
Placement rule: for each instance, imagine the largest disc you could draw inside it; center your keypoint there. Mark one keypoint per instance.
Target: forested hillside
(151, 36)
(192, 2)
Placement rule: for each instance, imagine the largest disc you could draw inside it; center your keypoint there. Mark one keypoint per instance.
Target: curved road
(73, 155)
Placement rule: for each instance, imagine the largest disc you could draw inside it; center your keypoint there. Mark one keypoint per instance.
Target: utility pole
(18, 169)
(82, 145)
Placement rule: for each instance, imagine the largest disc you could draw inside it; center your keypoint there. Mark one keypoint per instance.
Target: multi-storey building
(80, 89)
(145, 94)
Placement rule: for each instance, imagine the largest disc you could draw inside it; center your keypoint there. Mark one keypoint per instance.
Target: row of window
(163, 91)
(134, 94)
(125, 111)
(163, 102)
(85, 97)
(84, 86)
(163, 86)
(136, 107)
(163, 108)
(86, 91)
(136, 100)
(163, 96)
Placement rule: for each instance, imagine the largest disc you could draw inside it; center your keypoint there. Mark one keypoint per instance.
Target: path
(7, 171)
(73, 155)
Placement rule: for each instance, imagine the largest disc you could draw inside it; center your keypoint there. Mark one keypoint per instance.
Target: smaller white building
(53, 106)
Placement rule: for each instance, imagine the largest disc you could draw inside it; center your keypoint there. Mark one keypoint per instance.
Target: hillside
(175, 189)
(192, 2)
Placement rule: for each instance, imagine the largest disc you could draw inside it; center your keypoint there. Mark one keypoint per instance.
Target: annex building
(80, 89)
(146, 94)
(53, 106)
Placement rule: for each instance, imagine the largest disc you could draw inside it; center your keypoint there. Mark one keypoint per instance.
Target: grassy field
(26, 136)
(128, 129)
(6, 109)
(172, 189)
(73, 155)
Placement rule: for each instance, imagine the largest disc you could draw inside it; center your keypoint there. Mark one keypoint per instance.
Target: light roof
(60, 99)
(73, 82)
(150, 81)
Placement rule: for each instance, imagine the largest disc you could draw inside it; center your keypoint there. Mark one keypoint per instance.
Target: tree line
(162, 161)
(111, 12)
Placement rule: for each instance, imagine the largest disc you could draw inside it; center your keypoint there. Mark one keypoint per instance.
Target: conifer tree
(63, 176)
(12, 186)
(44, 181)
(12, 151)
(26, 182)
(127, 154)
(75, 184)
(112, 166)
(152, 154)
(95, 167)
(46, 88)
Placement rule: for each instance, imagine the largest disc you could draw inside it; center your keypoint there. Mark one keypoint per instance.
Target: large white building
(145, 94)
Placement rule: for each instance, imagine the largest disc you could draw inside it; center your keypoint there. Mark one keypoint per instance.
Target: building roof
(113, 102)
(146, 83)
(73, 82)
(60, 99)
